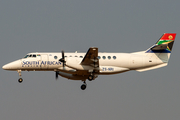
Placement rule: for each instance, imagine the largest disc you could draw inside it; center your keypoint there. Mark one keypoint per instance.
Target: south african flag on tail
(164, 44)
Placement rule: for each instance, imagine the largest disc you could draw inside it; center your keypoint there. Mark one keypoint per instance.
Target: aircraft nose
(5, 67)
(13, 65)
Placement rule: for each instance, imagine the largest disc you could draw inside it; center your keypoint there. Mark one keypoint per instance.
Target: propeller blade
(63, 54)
(57, 74)
(63, 58)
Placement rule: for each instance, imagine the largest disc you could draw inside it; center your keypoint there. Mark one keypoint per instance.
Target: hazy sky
(75, 25)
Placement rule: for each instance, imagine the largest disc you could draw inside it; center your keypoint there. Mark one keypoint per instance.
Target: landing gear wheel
(83, 86)
(91, 77)
(20, 80)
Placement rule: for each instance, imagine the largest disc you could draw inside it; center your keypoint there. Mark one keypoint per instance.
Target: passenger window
(55, 57)
(109, 57)
(81, 56)
(104, 57)
(75, 56)
(30, 55)
(114, 57)
(99, 57)
(34, 55)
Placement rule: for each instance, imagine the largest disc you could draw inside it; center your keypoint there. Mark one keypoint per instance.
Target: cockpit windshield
(30, 56)
(26, 56)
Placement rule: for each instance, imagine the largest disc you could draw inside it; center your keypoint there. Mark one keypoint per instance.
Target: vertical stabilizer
(164, 44)
(163, 47)
(160, 51)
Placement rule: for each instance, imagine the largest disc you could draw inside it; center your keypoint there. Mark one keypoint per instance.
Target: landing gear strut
(20, 80)
(83, 86)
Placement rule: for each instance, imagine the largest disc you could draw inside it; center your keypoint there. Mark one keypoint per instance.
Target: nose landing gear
(20, 80)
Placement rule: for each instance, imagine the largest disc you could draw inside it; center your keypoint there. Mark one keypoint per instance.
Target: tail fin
(160, 51)
(164, 44)
(163, 47)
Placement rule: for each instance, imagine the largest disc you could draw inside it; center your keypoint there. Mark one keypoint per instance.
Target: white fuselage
(109, 63)
(82, 66)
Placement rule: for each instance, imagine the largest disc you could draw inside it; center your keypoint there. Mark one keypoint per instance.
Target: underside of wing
(91, 58)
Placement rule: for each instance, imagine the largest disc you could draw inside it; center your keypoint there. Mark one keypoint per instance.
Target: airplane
(83, 66)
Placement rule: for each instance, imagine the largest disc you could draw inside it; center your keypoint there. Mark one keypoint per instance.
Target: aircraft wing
(91, 58)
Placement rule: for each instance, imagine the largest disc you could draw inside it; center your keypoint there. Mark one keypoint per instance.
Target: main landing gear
(90, 77)
(20, 80)
(83, 86)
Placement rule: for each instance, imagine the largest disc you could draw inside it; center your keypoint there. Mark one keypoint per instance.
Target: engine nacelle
(67, 70)
(73, 77)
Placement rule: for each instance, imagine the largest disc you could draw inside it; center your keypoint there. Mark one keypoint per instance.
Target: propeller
(63, 58)
(56, 75)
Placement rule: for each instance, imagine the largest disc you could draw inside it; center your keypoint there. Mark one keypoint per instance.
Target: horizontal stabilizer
(151, 68)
